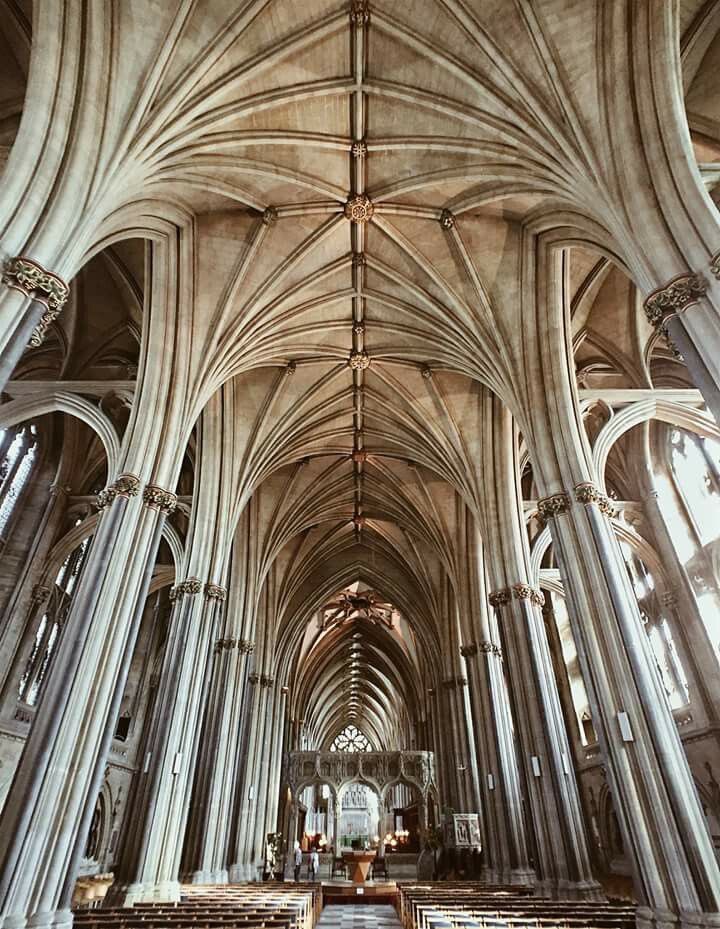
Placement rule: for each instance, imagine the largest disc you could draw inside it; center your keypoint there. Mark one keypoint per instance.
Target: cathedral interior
(359, 455)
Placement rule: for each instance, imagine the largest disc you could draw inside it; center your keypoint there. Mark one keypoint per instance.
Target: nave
(359, 457)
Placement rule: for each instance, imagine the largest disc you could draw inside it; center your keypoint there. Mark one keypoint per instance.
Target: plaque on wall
(462, 830)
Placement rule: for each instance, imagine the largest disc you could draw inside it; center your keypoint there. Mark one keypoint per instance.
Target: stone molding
(554, 505)
(501, 597)
(189, 588)
(450, 683)
(359, 12)
(359, 209)
(673, 298)
(31, 279)
(155, 498)
(587, 493)
(215, 592)
(127, 485)
(447, 219)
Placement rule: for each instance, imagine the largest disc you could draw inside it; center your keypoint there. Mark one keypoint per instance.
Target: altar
(358, 864)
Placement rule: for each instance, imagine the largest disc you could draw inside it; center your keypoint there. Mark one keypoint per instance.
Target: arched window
(51, 624)
(18, 453)
(689, 499)
(351, 739)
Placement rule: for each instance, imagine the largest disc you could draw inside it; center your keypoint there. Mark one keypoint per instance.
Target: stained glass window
(351, 739)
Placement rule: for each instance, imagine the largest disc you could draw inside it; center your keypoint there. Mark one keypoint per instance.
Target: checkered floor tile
(359, 917)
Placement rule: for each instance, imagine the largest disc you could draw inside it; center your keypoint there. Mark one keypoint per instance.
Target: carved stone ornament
(675, 297)
(245, 646)
(254, 679)
(500, 597)
(127, 485)
(31, 279)
(155, 498)
(537, 597)
(359, 328)
(486, 647)
(359, 149)
(269, 216)
(522, 591)
(669, 599)
(467, 651)
(359, 260)
(715, 266)
(359, 361)
(447, 220)
(587, 493)
(450, 683)
(215, 592)
(359, 12)
(225, 644)
(189, 588)
(359, 521)
(359, 209)
(40, 593)
(359, 455)
(426, 372)
(552, 506)
(266, 680)
(284, 690)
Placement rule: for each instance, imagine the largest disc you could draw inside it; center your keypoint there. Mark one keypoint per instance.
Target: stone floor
(355, 916)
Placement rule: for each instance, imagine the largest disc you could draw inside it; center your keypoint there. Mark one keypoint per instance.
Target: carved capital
(189, 588)
(522, 591)
(450, 683)
(498, 598)
(587, 493)
(40, 593)
(225, 644)
(284, 690)
(537, 597)
(552, 506)
(254, 679)
(675, 297)
(359, 12)
(359, 209)
(467, 651)
(245, 646)
(127, 485)
(155, 498)
(447, 220)
(266, 680)
(31, 279)
(715, 266)
(215, 592)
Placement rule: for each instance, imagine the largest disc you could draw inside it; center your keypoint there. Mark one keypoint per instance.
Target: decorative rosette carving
(269, 216)
(498, 598)
(447, 219)
(552, 506)
(426, 372)
(359, 12)
(127, 485)
(359, 260)
(359, 361)
(675, 297)
(359, 209)
(359, 149)
(31, 279)
(359, 328)
(155, 498)
(215, 592)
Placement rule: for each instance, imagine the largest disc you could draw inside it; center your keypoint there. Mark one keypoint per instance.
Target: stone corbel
(498, 598)
(34, 281)
(552, 506)
(587, 493)
(189, 588)
(215, 592)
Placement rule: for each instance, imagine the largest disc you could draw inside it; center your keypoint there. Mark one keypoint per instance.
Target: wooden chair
(380, 869)
(339, 867)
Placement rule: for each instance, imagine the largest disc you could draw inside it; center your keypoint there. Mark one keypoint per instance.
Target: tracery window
(18, 453)
(351, 739)
(51, 624)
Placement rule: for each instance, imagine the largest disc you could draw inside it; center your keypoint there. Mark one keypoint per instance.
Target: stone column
(45, 805)
(153, 844)
(660, 816)
(563, 853)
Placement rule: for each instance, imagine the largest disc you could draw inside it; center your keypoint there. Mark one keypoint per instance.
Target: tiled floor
(363, 916)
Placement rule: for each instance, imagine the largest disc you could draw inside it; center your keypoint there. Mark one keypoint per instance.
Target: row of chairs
(484, 906)
(378, 869)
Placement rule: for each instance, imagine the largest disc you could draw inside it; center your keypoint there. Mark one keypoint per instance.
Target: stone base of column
(238, 873)
(162, 892)
(209, 877)
(524, 876)
(570, 890)
(647, 918)
(51, 919)
(490, 876)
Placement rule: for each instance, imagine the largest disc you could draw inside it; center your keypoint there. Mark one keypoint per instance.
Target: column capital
(266, 680)
(359, 12)
(215, 592)
(189, 588)
(468, 650)
(246, 646)
(554, 505)
(254, 679)
(40, 593)
(715, 265)
(31, 279)
(450, 683)
(127, 485)
(523, 591)
(586, 493)
(156, 498)
(673, 298)
(501, 597)
(225, 644)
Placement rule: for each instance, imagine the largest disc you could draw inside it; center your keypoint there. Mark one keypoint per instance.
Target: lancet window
(51, 624)
(18, 453)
